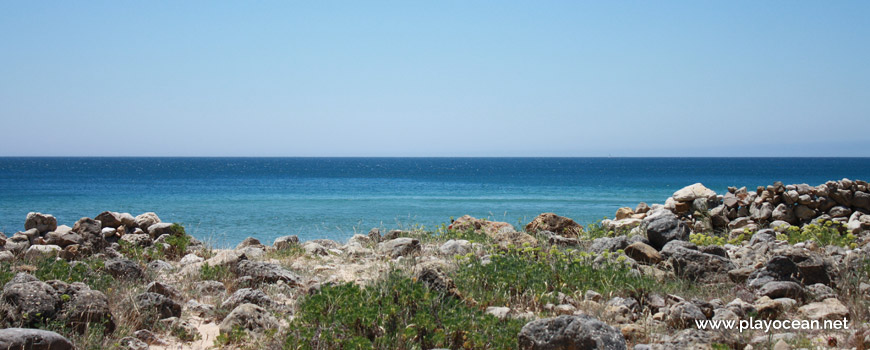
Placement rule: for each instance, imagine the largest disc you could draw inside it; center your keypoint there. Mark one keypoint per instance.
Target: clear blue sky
(435, 78)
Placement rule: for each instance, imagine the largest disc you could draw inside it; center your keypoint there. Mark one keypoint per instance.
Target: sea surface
(224, 200)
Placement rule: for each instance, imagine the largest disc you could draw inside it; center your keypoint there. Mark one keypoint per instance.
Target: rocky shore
(644, 279)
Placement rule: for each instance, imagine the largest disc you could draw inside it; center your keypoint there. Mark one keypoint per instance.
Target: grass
(396, 312)
(531, 277)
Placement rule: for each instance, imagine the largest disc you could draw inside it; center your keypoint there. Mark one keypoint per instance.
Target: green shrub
(143, 254)
(87, 271)
(532, 276)
(443, 233)
(214, 273)
(395, 313)
(596, 230)
(824, 234)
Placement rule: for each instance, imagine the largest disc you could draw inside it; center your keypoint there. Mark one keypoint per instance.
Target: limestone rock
(247, 296)
(400, 247)
(249, 317)
(569, 333)
(663, 226)
(144, 221)
(455, 247)
(32, 339)
(828, 309)
(554, 223)
(692, 192)
(285, 242)
(643, 252)
(86, 307)
(267, 272)
(41, 222)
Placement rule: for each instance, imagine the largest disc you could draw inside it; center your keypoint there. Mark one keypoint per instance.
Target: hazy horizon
(446, 79)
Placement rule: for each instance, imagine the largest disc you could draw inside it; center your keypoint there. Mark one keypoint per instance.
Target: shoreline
(644, 278)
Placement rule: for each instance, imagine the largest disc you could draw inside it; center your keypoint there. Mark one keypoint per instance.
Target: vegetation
(395, 313)
(824, 233)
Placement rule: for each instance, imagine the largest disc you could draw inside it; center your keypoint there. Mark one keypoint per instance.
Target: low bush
(395, 313)
(824, 233)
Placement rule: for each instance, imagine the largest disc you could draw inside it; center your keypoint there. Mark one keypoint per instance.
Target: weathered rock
(608, 244)
(829, 309)
(763, 213)
(662, 227)
(623, 213)
(782, 289)
(861, 200)
(249, 317)
(153, 306)
(90, 230)
(63, 240)
(190, 259)
(285, 242)
(554, 223)
(41, 222)
(436, 280)
(814, 270)
(783, 213)
(455, 247)
(32, 339)
(247, 296)
(684, 314)
(163, 289)
(109, 219)
(509, 237)
(692, 192)
(124, 269)
(469, 223)
(555, 239)
(250, 242)
(267, 272)
(140, 240)
(500, 312)
(31, 300)
(17, 244)
(209, 287)
(400, 247)
(159, 229)
(144, 221)
(698, 266)
(6, 256)
(87, 307)
(570, 333)
(642, 208)
(41, 251)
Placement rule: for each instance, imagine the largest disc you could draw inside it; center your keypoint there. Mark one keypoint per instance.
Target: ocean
(224, 200)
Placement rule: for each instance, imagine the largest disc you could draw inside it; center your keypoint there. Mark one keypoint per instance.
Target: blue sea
(224, 200)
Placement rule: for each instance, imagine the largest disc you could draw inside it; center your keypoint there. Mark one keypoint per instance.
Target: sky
(435, 78)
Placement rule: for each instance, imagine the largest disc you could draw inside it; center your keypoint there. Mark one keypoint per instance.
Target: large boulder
(828, 309)
(144, 221)
(699, 266)
(153, 307)
(267, 272)
(161, 228)
(31, 300)
(285, 242)
(93, 240)
(110, 219)
(249, 317)
(41, 222)
(643, 252)
(32, 339)
(662, 226)
(570, 333)
(247, 296)
(692, 192)
(559, 225)
(87, 307)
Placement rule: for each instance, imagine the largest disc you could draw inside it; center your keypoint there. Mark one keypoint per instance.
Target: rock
(267, 272)
(181, 329)
(312, 248)
(455, 247)
(86, 307)
(109, 219)
(840, 212)
(17, 244)
(569, 333)
(41, 222)
(159, 265)
(662, 227)
(782, 289)
(209, 287)
(623, 226)
(608, 244)
(159, 229)
(499, 312)
(804, 213)
(32, 339)
(250, 242)
(199, 309)
(438, 281)
(468, 223)
(763, 213)
(249, 317)
(554, 223)
(190, 259)
(146, 220)
(375, 235)
(692, 192)
(63, 240)
(829, 309)
(623, 213)
(507, 238)
(31, 301)
(400, 246)
(6, 256)
(698, 266)
(684, 314)
(247, 296)
(163, 289)
(818, 292)
(642, 208)
(285, 242)
(153, 306)
(861, 200)
(124, 269)
(814, 270)
(139, 240)
(41, 251)
(90, 230)
(555, 239)
(643, 253)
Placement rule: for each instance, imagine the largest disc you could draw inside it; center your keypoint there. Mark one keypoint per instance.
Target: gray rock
(130, 343)
(609, 244)
(861, 200)
(250, 242)
(455, 247)
(6, 256)
(32, 339)
(209, 287)
(569, 333)
(87, 307)
(684, 314)
(154, 306)
(41, 251)
(840, 212)
(783, 213)
(31, 301)
(249, 317)
(140, 240)
(662, 226)
(401, 246)
(643, 252)
(41, 222)
(124, 269)
(828, 309)
(159, 265)
(312, 248)
(159, 229)
(63, 240)
(782, 289)
(163, 289)
(144, 221)
(698, 266)
(267, 272)
(247, 296)
(17, 244)
(285, 242)
(553, 238)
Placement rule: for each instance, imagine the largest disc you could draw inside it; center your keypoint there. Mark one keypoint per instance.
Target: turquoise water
(223, 200)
